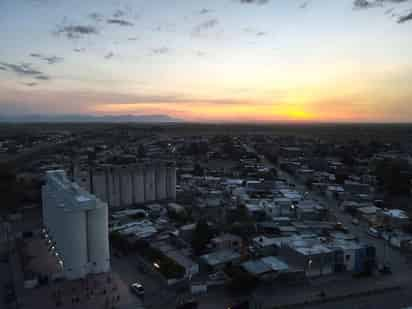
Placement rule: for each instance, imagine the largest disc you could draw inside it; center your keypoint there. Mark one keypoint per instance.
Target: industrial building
(127, 185)
(76, 226)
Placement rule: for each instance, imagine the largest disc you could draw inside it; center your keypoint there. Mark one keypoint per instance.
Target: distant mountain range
(89, 118)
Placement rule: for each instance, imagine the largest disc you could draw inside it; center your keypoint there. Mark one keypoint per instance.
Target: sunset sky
(215, 60)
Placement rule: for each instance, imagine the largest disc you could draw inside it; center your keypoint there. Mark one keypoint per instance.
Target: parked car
(241, 305)
(189, 304)
(373, 232)
(385, 270)
(137, 289)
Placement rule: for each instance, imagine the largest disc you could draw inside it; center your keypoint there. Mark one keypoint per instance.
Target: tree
(198, 170)
(8, 187)
(141, 151)
(201, 236)
(393, 175)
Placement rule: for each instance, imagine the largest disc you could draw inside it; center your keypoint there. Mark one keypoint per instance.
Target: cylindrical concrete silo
(99, 184)
(138, 185)
(73, 242)
(126, 190)
(149, 181)
(117, 187)
(45, 206)
(171, 183)
(110, 186)
(97, 239)
(160, 179)
(114, 187)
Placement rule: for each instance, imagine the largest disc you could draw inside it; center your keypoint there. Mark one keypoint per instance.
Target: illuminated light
(156, 265)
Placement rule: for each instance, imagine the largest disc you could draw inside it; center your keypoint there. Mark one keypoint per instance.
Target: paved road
(5, 277)
(157, 294)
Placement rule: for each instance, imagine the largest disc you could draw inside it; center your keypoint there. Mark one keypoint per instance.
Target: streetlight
(156, 265)
(310, 264)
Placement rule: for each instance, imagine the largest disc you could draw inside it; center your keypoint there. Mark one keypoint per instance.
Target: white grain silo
(72, 243)
(97, 240)
(138, 184)
(126, 188)
(171, 182)
(99, 184)
(160, 179)
(77, 224)
(114, 186)
(110, 186)
(149, 181)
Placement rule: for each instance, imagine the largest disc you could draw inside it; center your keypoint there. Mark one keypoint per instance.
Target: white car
(137, 289)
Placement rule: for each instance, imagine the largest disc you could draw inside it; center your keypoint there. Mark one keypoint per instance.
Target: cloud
(133, 38)
(206, 25)
(32, 84)
(76, 31)
(96, 17)
(255, 32)
(205, 11)
(20, 69)
(368, 4)
(119, 13)
(42, 77)
(365, 4)
(120, 22)
(304, 5)
(79, 50)
(253, 1)
(48, 59)
(405, 18)
(160, 51)
(389, 11)
(109, 55)
(200, 53)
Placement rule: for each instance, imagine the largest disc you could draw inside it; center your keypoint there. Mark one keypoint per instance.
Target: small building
(368, 212)
(176, 208)
(355, 187)
(191, 268)
(335, 192)
(266, 246)
(394, 218)
(218, 260)
(308, 210)
(227, 241)
(316, 259)
(267, 268)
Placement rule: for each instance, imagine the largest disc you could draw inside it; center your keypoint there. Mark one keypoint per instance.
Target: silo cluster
(76, 226)
(127, 185)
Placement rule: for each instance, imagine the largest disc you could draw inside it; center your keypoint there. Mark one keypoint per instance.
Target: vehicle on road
(137, 289)
(339, 226)
(373, 232)
(189, 304)
(241, 305)
(385, 270)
